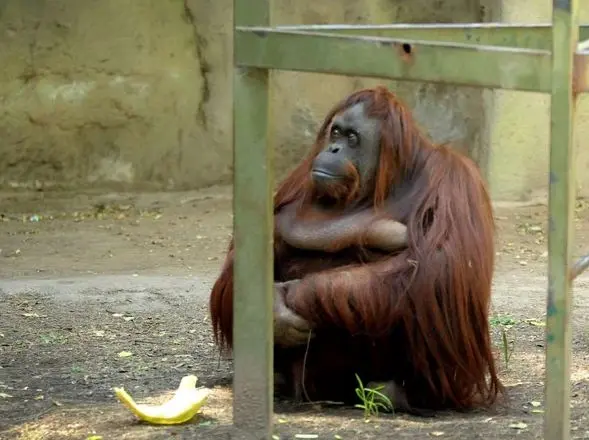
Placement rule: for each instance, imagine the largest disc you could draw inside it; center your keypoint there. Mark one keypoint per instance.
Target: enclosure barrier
(542, 58)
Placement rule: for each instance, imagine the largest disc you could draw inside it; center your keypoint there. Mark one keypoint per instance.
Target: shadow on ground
(88, 277)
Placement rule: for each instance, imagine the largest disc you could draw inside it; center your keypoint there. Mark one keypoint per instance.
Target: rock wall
(137, 93)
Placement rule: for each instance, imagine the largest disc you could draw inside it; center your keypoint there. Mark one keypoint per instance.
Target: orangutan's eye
(335, 131)
(352, 138)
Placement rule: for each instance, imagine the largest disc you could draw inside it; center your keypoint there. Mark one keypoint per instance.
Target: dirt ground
(85, 277)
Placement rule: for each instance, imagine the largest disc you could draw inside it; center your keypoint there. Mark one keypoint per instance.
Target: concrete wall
(138, 92)
(99, 91)
(518, 160)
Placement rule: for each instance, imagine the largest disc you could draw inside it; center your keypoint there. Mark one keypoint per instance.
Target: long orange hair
(437, 290)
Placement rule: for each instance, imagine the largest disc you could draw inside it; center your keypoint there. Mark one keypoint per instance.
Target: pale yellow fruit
(183, 406)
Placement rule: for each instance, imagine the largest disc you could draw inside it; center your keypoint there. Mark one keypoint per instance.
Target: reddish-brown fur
(418, 316)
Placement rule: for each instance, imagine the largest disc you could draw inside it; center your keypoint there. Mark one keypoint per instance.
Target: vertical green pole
(253, 232)
(565, 33)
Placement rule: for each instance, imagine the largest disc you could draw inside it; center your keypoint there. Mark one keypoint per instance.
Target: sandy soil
(85, 277)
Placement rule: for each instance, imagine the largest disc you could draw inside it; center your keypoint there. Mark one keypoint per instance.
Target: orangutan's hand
(290, 329)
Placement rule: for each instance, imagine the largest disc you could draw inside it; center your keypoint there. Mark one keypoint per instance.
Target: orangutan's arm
(386, 234)
(334, 234)
(290, 329)
(362, 299)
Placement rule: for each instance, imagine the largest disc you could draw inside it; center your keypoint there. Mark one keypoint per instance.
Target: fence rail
(545, 58)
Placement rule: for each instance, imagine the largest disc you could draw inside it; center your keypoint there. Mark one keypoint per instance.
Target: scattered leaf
(117, 315)
(535, 404)
(57, 403)
(306, 436)
(33, 315)
(94, 437)
(337, 437)
(281, 420)
(40, 397)
(5, 396)
(124, 354)
(536, 322)
(436, 433)
(99, 333)
(537, 411)
(518, 425)
(275, 437)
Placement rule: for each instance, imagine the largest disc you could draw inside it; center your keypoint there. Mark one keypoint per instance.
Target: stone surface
(138, 94)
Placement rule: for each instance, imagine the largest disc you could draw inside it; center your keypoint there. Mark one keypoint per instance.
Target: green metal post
(565, 34)
(253, 232)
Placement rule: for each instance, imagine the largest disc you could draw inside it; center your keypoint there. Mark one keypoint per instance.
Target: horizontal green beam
(480, 66)
(528, 36)
(579, 267)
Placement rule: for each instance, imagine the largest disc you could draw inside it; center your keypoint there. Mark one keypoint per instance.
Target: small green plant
(507, 351)
(501, 320)
(77, 369)
(505, 323)
(372, 400)
(53, 338)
